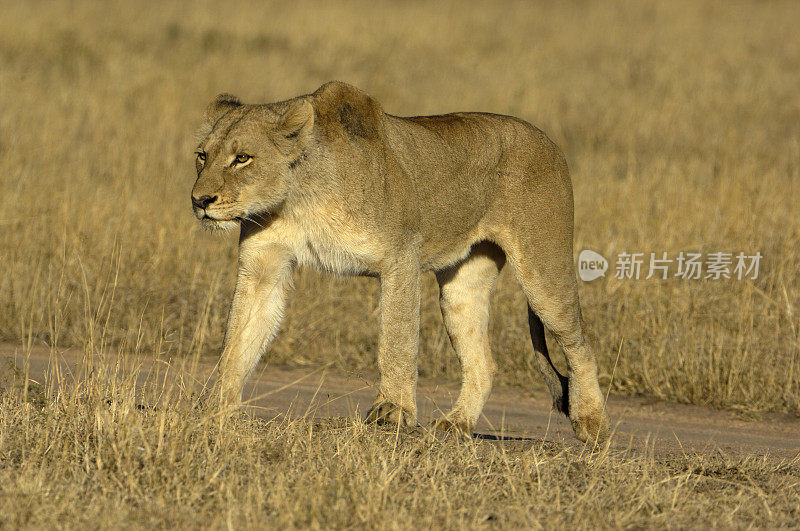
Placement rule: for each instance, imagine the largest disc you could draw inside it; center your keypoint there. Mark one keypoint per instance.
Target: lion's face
(245, 164)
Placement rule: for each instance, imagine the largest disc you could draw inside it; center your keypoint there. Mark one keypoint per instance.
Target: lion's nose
(204, 201)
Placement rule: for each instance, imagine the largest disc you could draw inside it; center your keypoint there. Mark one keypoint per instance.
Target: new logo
(591, 265)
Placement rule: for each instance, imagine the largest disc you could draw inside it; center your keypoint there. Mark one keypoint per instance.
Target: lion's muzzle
(200, 204)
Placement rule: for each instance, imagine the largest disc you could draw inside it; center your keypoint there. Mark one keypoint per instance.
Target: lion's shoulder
(345, 112)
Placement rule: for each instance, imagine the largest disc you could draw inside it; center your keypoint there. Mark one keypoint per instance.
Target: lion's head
(245, 163)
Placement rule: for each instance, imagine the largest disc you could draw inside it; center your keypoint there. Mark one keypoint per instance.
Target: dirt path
(515, 413)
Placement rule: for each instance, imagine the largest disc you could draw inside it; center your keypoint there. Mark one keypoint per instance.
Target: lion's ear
(297, 121)
(220, 105)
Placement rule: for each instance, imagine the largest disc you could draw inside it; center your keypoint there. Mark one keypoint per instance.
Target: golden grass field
(87, 458)
(681, 124)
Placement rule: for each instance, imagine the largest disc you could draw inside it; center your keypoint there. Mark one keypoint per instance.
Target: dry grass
(681, 122)
(73, 456)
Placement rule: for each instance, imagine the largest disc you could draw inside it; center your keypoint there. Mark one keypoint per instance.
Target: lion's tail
(555, 381)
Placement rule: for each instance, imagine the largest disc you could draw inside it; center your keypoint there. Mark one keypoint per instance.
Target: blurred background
(680, 121)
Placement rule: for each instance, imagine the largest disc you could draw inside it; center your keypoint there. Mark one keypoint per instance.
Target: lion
(330, 180)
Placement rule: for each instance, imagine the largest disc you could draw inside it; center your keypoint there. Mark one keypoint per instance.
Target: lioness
(330, 180)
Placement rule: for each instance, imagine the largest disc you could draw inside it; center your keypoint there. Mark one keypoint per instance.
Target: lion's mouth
(204, 215)
(207, 217)
(224, 221)
(216, 224)
(213, 221)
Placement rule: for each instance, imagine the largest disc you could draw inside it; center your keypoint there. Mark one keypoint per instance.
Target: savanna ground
(681, 123)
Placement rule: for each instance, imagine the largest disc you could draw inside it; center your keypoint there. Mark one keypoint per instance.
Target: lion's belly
(438, 253)
(451, 224)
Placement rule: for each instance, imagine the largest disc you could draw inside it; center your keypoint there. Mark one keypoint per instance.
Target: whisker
(248, 218)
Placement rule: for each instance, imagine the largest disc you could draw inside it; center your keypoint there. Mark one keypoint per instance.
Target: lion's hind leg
(464, 291)
(547, 276)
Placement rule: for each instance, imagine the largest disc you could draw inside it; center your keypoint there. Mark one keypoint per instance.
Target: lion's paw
(592, 428)
(386, 412)
(450, 426)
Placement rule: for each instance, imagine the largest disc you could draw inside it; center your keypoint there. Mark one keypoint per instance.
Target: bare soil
(512, 416)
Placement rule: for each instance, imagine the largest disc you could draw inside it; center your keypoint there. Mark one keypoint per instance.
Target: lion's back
(451, 160)
(347, 116)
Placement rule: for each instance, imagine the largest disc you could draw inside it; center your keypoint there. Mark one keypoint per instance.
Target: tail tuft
(557, 384)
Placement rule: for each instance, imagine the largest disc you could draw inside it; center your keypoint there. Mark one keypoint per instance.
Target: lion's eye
(242, 158)
(201, 157)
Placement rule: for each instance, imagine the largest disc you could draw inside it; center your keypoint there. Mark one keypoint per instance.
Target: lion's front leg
(262, 285)
(399, 345)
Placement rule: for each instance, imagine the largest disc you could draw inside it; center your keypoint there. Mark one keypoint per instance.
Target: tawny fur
(330, 180)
